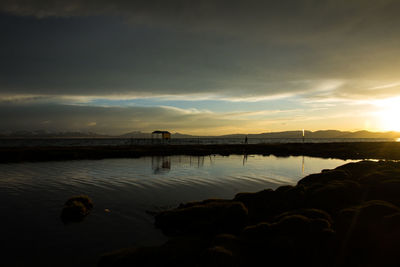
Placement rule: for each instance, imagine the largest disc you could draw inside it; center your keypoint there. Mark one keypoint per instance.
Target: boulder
(325, 177)
(369, 234)
(209, 217)
(180, 251)
(76, 208)
(334, 195)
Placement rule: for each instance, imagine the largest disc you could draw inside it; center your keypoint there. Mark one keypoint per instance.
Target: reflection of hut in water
(160, 164)
(161, 135)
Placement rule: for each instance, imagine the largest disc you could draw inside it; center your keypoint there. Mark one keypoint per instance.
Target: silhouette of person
(245, 140)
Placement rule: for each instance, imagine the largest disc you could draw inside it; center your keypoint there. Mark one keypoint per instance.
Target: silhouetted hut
(165, 135)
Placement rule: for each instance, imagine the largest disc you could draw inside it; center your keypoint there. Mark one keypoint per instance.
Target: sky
(199, 67)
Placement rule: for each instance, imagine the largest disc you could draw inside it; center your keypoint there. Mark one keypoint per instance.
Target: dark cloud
(230, 48)
(294, 16)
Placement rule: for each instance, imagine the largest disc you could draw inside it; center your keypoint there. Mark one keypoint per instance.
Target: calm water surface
(32, 196)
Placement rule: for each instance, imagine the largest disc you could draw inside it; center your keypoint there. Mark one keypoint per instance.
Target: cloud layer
(232, 48)
(322, 53)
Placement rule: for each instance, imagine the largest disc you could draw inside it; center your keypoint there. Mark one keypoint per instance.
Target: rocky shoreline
(348, 216)
(347, 150)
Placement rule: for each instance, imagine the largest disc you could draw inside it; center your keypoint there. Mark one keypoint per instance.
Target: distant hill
(317, 134)
(49, 134)
(366, 134)
(292, 134)
(135, 134)
(139, 134)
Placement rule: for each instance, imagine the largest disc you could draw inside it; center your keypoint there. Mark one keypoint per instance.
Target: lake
(124, 192)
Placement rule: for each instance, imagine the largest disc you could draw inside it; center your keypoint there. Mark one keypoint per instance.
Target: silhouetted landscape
(332, 134)
(212, 133)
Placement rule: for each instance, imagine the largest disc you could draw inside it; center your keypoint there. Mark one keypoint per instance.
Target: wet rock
(309, 213)
(334, 195)
(266, 204)
(292, 224)
(257, 234)
(367, 215)
(203, 202)
(325, 177)
(294, 239)
(137, 256)
(388, 190)
(179, 251)
(258, 204)
(229, 241)
(218, 256)
(367, 232)
(359, 169)
(76, 208)
(203, 217)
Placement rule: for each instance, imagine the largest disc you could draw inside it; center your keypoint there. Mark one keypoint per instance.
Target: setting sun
(389, 114)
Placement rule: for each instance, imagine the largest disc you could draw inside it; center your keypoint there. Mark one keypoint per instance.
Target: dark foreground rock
(76, 209)
(349, 216)
(209, 217)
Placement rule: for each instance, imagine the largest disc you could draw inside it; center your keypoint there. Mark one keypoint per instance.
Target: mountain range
(139, 134)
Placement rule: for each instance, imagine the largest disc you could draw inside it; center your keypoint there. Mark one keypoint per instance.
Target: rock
(309, 213)
(366, 216)
(360, 169)
(258, 204)
(229, 241)
(324, 177)
(266, 204)
(76, 209)
(141, 256)
(209, 217)
(333, 195)
(295, 224)
(388, 190)
(203, 202)
(293, 240)
(369, 233)
(218, 256)
(179, 251)
(257, 235)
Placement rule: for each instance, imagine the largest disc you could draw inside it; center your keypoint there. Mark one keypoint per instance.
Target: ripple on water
(35, 193)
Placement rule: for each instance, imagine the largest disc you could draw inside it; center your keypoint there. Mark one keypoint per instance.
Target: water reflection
(35, 192)
(160, 164)
(163, 164)
(244, 159)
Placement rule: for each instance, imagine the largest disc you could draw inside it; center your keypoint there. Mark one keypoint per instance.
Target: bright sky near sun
(199, 67)
(388, 114)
